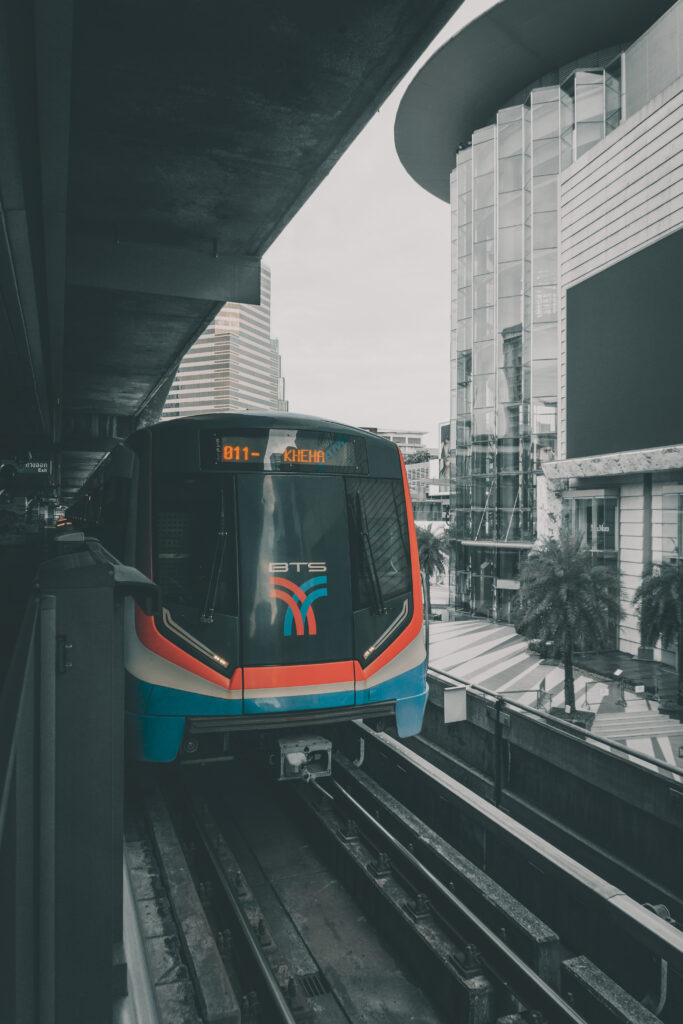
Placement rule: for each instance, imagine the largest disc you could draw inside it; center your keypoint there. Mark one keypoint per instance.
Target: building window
(595, 519)
(672, 527)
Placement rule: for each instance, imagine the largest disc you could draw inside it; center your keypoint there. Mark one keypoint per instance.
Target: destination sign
(281, 450)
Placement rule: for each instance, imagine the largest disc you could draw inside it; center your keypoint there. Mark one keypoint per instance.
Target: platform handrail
(576, 732)
(61, 790)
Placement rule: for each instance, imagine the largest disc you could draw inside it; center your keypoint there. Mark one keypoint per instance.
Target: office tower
(234, 365)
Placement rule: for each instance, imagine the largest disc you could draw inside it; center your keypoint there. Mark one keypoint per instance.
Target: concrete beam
(162, 270)
(95, 432)
(25, 405)
(54, 36)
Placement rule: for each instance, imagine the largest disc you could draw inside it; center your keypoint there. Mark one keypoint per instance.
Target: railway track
(396, 895)
(270, 925)
(633, 955)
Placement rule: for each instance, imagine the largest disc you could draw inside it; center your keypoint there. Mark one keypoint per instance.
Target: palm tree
(659, 601)
(433, 552)
(567, 599)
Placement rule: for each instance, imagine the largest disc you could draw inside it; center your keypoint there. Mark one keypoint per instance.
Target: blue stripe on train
(150, 699)
(410, 691)
(408, 684)
(154, 737)
(297, 702)
(155, 715)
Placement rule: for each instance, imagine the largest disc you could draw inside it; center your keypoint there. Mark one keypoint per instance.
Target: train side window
(113, 515)
(380, 547)
(102, 512)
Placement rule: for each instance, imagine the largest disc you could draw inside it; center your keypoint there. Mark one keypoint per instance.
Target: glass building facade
(505, 318)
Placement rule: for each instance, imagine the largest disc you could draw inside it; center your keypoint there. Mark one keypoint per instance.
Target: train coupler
(305, 758)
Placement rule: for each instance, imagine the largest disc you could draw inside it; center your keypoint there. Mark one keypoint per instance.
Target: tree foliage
(421, 455)
(567, 599)
(433, 551)
(659, 602)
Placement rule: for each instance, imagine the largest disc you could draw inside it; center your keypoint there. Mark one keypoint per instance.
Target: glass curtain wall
(505, 331)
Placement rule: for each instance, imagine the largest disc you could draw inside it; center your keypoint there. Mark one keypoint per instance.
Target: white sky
(361, 285)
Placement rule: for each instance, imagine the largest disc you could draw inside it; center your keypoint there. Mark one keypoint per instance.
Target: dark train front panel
(286, 558)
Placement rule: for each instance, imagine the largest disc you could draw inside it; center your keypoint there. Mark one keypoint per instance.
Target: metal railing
(611, 747)
(18, 845)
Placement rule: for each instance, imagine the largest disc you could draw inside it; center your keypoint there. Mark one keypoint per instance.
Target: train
(285, 555)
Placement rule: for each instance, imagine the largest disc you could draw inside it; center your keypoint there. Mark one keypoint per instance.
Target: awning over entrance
(645, 460)
(513, 545)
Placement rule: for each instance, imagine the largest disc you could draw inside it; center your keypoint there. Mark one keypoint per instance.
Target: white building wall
(620, 197)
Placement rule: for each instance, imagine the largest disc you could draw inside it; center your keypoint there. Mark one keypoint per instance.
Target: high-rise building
(234, 366)
(526, 219)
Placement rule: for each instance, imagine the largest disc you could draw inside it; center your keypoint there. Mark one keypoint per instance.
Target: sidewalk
(496, 657)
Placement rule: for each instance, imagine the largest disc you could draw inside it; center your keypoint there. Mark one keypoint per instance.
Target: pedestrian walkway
(496, 657)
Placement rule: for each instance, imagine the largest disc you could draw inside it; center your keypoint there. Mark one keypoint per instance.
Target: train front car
(285, 553)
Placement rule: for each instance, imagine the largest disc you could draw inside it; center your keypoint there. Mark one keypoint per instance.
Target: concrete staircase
(635, 723)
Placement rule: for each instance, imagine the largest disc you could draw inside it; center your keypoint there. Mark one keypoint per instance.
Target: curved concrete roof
(510, 46)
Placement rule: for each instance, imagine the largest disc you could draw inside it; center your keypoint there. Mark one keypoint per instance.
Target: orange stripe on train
(150, 636)
(298, 675)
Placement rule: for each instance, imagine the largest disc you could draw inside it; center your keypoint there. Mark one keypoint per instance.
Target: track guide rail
(499, 959)
(270, 985)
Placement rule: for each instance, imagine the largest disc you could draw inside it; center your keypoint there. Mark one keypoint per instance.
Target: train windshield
(316, 568)
(379, 538)
(294, 570)
(196, 566)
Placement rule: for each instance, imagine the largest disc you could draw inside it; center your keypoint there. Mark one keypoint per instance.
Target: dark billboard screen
(625, 354)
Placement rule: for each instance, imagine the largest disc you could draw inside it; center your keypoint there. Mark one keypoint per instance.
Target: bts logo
(297, 566)
(299, 598)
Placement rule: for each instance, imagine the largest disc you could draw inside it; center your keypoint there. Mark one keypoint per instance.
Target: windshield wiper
(369, 557)
(216, 566)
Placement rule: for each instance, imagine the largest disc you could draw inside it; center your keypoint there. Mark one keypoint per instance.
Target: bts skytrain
(285, 554)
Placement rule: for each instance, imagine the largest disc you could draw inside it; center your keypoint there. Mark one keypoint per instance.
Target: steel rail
(269, 980)
(509, 968)
(551, 722)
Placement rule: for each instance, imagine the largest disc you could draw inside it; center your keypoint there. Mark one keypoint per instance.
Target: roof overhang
(477, 72)
(512, 545)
